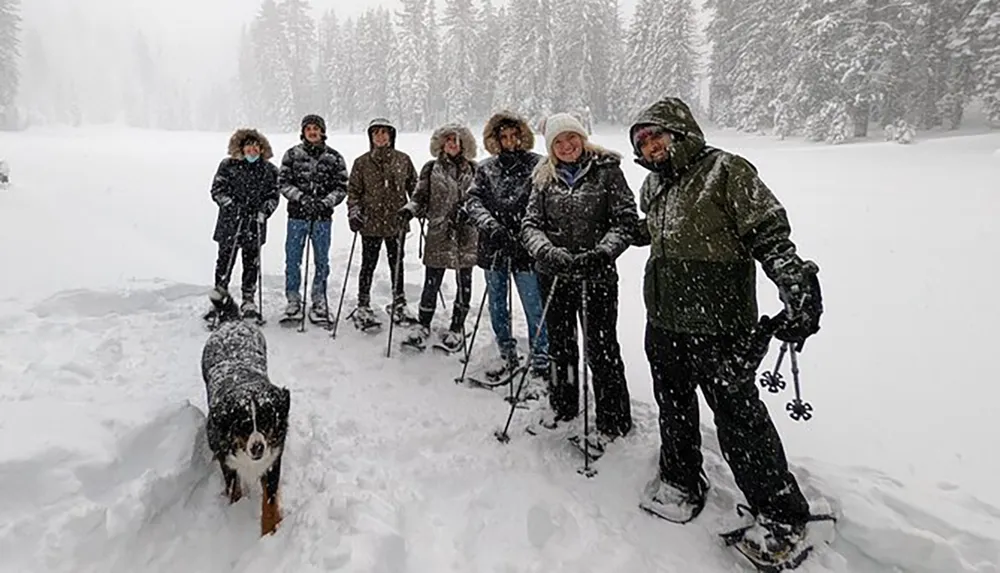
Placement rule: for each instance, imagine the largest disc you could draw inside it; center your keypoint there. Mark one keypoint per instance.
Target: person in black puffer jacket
(496, 205)
(245, 188)
(579, 220)
(313, 178)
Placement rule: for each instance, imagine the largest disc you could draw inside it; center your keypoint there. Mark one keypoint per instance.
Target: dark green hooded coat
(709, 216)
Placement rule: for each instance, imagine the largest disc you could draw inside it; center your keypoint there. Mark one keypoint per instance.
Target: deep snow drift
(106, 258)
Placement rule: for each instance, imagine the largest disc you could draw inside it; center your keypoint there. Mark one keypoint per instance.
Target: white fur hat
(560, 123)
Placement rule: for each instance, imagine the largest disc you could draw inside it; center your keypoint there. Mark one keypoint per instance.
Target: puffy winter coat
(380, 184)
(708, 217)
(597, 213)
(499, 196)
(252, 187)
(441, 191)
(318, 171)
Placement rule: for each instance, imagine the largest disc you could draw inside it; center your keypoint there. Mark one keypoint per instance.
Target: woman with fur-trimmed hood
(579, 220)
(245, 188)
(451, 240)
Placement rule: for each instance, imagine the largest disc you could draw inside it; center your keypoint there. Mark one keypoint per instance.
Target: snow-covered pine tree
(570, 52)
(274, 76)
(722, 61)
(518, 65)
(10, 26)
(487, 41)
(328, 70)
(617, 105)
(299, 37)
(956, 84)
(413, 63)
(251, 95)
(661, 53)
(347, 92)
(432, 61)
(982, 31)
(458, 58)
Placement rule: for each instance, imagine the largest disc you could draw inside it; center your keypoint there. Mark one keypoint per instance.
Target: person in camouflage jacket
(381, 183)
(579, 220)
(709, 217)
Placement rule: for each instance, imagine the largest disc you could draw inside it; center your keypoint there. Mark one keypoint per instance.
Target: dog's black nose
(256, 450)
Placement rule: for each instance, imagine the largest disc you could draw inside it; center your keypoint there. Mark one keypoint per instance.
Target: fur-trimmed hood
(465, 137)
(240, 136)
(545, 171)
(492, 143)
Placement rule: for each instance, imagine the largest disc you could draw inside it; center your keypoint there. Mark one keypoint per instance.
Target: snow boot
(249, 310)
(319, 313)
(364, 319)
(417, 338)
(509, 365)
(400, 313)
(451, 342)
(769, 544)
(293, 313)
(672, 503)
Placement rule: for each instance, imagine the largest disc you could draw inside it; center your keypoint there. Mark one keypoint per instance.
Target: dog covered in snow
(247, 414)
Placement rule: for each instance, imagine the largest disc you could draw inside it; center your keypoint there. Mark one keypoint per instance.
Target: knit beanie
(559, 124)
(314, 120)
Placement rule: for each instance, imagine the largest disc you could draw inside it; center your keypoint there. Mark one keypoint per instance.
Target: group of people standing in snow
(553, 227)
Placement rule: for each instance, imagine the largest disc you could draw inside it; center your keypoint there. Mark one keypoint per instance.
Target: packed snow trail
(390, 467)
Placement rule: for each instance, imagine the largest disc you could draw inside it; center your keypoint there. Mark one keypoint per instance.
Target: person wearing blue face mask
(245, 188)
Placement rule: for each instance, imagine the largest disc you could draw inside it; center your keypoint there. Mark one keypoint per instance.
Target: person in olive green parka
(709, 218)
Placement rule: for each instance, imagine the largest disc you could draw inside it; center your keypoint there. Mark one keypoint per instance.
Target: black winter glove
(557, 259)
(500, 236)
(640, 234)
(405, 214)
(590, 262)
(799, 290)
(310, 206)
(356, 220)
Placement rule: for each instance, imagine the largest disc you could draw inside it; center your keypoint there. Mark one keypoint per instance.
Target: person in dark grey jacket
(580, 219)
(497, 202)
(313, 178)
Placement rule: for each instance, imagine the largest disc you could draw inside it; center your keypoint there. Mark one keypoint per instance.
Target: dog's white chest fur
(249, 469)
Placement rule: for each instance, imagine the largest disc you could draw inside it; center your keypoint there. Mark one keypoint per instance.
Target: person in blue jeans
(496, 204)
(313, 177)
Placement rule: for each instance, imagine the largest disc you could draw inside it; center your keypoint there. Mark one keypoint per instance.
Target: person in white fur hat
(579, 221)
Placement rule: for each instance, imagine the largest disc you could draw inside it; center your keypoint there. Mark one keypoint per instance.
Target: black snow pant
(433, 277)
(611, 396)
(370, 249)
(226, 261)
(750, 444)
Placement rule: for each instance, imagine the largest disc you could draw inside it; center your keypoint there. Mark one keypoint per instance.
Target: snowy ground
(106, 258)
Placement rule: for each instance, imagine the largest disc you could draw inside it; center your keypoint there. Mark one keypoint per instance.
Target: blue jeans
(295, 243)
(497, 283)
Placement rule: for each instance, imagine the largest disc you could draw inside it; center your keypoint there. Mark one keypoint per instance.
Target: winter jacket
(252, 187)
(381, 183)
(708, 217)
(316, 171)
(441, 191)
(596, 213)
(499, 196)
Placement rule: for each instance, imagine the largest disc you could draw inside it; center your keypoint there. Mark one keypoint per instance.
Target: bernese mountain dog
(247, 414)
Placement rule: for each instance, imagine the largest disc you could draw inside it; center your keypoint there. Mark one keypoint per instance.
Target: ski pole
(305, 280)
(510, 320)
(586, 470)
(399, 280)
(343, 291)
(260, 271)
(502, 435)
(797, 409)
(231, 263)
(475, 329)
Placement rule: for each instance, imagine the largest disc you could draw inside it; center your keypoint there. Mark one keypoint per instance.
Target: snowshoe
(319, 314)
(667, 501)
(450, 342)
(293, 314)
(417, 339)
(595, 445)
(548, 421)
(249, 311)
(772, 546)
(364, 319)
(400, 314)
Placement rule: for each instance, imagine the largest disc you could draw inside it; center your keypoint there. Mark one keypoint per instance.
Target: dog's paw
(270, 517)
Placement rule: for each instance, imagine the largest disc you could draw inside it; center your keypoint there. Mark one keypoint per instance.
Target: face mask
(252, 158)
